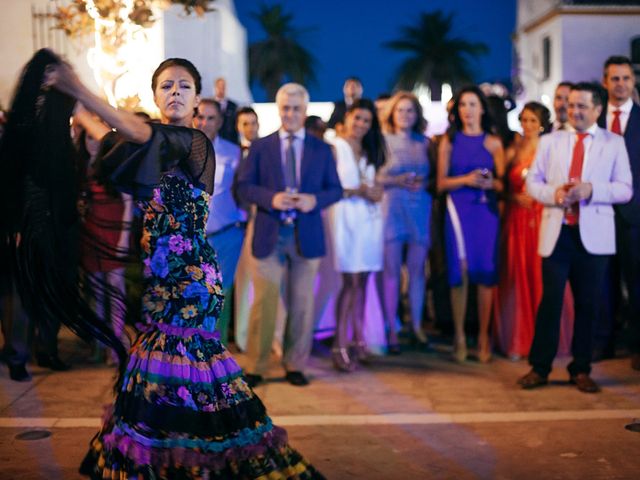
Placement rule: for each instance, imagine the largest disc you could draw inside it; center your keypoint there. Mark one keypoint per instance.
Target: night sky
(345, 36)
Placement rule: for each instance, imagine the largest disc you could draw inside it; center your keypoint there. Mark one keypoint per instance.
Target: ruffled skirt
(185, 412)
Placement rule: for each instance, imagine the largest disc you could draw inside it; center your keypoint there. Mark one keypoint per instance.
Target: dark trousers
(585, 273)
(19, 330)
(628, 240)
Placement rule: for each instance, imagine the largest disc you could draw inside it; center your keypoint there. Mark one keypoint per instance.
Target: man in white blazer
(577, 176)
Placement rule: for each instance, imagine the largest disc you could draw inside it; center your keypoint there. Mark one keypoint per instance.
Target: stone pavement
(416, 416)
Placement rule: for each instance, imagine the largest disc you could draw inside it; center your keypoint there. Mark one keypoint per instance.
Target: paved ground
(417, 416)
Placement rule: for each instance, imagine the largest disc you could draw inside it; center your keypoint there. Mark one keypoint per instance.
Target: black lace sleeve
(201, 164)
(137, 169)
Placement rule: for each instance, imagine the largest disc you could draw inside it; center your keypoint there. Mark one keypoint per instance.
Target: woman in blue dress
(406, 208)
(470, 169)
(183, 409)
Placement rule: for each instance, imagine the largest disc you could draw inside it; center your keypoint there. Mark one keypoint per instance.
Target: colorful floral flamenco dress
(183, 409)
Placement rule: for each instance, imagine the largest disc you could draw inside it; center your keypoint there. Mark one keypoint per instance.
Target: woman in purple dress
(470, 166)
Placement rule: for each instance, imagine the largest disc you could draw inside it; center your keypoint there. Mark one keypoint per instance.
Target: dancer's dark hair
(178, 62)
(39, 196)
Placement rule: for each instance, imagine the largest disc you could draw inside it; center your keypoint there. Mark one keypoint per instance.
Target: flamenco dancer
(183, 409)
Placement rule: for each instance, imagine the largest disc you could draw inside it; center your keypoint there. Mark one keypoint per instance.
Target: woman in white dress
(356, 223)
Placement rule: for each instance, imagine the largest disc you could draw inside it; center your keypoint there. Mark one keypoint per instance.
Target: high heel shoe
(361, 353)
(393, 348)
(420, 339)
(341, 360)
(460, 349)
(484, 349)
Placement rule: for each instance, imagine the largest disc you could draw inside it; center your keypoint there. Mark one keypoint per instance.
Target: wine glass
(571, 210)
(288, 217)
(486, 174)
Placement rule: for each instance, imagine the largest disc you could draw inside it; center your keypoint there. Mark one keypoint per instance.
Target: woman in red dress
(520, 287)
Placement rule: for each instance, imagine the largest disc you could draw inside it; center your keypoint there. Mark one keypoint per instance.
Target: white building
(569, 40)
(216, 43)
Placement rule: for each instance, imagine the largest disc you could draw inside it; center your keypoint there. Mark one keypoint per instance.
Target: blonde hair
(292, 89)
(387, 120)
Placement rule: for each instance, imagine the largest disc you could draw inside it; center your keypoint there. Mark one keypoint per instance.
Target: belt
(227, 227)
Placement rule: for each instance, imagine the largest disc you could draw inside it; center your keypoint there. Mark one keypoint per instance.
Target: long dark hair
(39, 193)
(486, 122)
(499, 115)
(373, 142)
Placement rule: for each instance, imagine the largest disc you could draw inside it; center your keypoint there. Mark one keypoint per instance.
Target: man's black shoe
(53, 362)
(253, 380)
(19, 373)
(296, 378)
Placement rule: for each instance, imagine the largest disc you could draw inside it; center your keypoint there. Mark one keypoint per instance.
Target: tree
(435, 55)
(279, 57)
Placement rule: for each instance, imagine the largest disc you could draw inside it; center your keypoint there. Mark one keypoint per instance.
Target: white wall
(531, 66)
(529, 10)
(590, 39)
(580, 44)
(17, 45)
(215, 43)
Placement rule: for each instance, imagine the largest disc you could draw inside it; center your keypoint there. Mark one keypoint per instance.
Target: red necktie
(615, 125)
(575, 173)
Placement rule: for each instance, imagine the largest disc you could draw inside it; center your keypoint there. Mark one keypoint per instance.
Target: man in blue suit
(622, 116)
(290, 176)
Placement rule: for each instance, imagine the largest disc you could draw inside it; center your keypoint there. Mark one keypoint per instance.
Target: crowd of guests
(521, 222)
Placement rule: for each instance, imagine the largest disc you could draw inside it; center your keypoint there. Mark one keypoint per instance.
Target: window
(546, 58)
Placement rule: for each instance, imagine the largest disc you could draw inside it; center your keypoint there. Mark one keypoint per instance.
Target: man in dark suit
(622, 116)
(352, 91)
(290, 176)
(228, 130)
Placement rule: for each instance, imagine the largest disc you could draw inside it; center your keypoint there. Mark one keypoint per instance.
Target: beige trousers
(268, 273)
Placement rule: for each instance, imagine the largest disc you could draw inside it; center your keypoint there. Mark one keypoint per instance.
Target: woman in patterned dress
(183, 409)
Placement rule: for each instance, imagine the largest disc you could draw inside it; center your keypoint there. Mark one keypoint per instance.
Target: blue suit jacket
(630, 211)
(260, 177)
